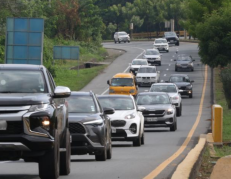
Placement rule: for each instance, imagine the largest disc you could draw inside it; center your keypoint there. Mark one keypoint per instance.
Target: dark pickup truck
(34, 119)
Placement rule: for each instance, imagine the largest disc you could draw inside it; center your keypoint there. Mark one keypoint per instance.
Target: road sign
(24, 41)
(66, 53)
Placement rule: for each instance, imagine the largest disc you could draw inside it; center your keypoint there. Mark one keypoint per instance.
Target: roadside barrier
(217, 123)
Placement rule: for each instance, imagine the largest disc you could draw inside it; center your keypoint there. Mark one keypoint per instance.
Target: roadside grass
(74, 79)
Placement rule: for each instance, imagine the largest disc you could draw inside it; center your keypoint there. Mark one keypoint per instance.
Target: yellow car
(123, 84)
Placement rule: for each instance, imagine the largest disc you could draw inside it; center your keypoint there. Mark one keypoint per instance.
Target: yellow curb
(185, 168)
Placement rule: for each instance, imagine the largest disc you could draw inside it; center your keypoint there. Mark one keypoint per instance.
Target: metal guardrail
(155, 34)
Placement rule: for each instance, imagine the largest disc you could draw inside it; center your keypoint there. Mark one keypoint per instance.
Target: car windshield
(147, 70)
(118, 103)
(18, 81)
(152, 52)
(163, 88)
(152, 99)
(170, 34)
(81, 104)
(137, 62)
(184, 58)
(122, 82)
(122, 33)
(179, 79)
(160, 41)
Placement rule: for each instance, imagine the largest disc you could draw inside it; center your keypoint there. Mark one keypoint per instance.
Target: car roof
(80, 93)
(179, 75)
(167, 84)
(123, 75)
(113, 96)
(152, 49)
(21, 67)
(160, 39)
(158, 93)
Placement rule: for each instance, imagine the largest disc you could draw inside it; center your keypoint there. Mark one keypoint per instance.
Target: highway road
(163, 150)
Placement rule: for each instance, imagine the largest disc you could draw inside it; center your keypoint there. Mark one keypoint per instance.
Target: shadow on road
(82, 160)
(153, 130)
(122, 145)
(19, 176)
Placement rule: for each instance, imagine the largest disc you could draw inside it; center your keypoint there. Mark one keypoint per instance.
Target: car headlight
(178, 65)
(130, 116)
(191, 64)
(170, 111)
(40, 107)
(158, 58)
(132, 91)
(111, 91)
(175, 98)
(95, 122)
(189, 87)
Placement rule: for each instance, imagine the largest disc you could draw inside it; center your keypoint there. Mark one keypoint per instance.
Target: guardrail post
(217, 123)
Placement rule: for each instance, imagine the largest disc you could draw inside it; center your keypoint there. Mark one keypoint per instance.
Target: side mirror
(108, 82)
(180, 91)
(141, 108)
(62, 92)
(108, 110)
(192, 81)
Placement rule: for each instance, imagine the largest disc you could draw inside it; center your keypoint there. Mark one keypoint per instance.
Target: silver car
(147, 75)
(159, 110)
(172, 91)
(121, 37)
(153, 56)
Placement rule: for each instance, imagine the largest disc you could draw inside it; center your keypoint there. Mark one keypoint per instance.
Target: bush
(226, 80)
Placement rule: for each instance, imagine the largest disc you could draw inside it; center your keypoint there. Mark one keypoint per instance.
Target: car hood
(20, 99)
(82, 117)
(180, 84)
(146, 74)
(122, 36)
(120, 114)
(157, 107)
(161, 44)
(172, 94)
(152, 56)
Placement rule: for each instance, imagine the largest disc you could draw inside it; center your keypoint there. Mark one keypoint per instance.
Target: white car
(136, 64)
(147, 75)
(121, 37)
(153, 56)
(172, 91)
(127, 123)
(161, 45)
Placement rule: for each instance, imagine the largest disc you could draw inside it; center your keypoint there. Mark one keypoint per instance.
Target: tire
(174, 126)
(160, 63)
(176, 69)
(65, 157)
(192, 69)
(119, 41)
(191, 95)
(128, 41)
(137, 142)
(109, 150)
(142, 139)
(178, 44)
(49, 162)
(103, 155)
(179, 110)
(115, 41)
(167, 51)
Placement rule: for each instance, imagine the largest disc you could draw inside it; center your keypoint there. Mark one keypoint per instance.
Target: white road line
(171, 60)
(164, 74)
(169, 64)
(167, 69)
(126, 68)
(162, 81)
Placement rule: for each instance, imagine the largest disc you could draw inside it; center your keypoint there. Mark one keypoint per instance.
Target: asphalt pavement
(130, 162)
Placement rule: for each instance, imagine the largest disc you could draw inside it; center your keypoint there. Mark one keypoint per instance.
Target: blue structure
(66, 53)
(24, 41)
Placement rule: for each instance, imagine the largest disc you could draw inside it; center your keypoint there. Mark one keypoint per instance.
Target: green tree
(215, 38)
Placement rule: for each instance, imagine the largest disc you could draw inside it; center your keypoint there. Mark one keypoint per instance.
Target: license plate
(3, 125)
(152, 119)
(183, 66)
(113, 130)
(151, 60)
(171, 40)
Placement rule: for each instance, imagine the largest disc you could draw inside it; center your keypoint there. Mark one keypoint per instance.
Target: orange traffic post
(217, 123)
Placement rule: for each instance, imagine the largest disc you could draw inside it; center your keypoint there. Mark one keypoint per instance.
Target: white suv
(172, 91)
(147, 75)
(121, 37)
(161, 45)
(127, 123)
(136, 64)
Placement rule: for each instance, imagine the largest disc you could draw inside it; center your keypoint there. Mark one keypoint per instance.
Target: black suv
(172, 38)
(33, 119)
(183, 83)
(90, 127)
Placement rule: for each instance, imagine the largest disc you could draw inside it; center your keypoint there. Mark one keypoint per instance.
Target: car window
(179, 79)
(18, 81)
(122, 33)
(152, 99)
(163, 88)
(137, 62)
(147, 70)
(152, 52)
(167, 34)
(122, 82)
(52, 84)
(81, 104)
(160, 41)
(184, 58)
(117, 103)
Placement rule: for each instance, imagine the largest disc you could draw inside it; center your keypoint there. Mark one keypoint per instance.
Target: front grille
(182, 87)
(76, 128)
(13, 127)
(151, 58)
(118, 123)
(157, 113)
(145, 77)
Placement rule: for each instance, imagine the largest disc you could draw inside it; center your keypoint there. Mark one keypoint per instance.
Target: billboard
(66, 52)
(24, 41)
